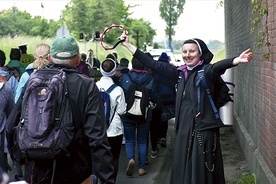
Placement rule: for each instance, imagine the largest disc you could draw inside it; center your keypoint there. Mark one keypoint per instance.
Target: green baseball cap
(64, 48)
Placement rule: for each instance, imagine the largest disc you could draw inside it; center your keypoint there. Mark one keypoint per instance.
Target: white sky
(200, 18)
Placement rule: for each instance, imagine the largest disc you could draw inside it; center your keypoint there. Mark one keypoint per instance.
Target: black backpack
(46, 126)
(137, 99)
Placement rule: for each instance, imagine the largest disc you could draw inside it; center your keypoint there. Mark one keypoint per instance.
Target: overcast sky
(200, 19)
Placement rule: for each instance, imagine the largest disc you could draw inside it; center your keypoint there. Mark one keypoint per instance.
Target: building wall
(255, 90)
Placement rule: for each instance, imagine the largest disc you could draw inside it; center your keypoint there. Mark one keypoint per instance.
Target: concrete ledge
(256, 163)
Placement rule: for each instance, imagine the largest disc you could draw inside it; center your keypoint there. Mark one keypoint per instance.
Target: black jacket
(90, 148)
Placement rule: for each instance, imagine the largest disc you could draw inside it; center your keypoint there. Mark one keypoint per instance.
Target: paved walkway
(158, 171)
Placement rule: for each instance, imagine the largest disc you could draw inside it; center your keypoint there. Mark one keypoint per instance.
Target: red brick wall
(255, 91)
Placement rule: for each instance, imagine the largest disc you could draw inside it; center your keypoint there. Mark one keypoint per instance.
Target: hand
(127, 44)
(124, 37)
(244, 57)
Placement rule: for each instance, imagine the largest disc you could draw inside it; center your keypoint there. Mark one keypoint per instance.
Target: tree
(170, 10)
(88, 16)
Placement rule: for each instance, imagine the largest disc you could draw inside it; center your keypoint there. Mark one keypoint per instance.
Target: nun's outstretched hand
(126, 43)
(244, 57)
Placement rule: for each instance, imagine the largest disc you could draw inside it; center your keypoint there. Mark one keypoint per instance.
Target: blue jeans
(136, 132)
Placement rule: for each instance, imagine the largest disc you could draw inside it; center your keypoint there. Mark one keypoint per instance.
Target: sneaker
(130, 167)
(163, 143)
(154, 154)
(142, 172)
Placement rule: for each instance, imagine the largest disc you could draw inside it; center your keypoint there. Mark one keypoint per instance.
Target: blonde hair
(40, 55)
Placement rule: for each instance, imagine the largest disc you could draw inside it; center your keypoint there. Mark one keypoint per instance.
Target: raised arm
(158, 67)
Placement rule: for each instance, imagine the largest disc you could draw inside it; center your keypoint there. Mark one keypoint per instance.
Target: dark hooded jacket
(90, 147)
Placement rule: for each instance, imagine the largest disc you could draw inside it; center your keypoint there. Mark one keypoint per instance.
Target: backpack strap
(202, 80)
(29, 71)
(109, 90)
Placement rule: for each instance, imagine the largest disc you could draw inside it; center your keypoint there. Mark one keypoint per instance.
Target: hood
(139, 77)
(30, 66)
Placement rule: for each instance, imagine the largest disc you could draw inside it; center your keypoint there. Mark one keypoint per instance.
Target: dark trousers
(115, 143)
(154, 127)
(163, 129)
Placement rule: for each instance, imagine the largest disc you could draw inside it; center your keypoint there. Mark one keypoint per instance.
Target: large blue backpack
(105, 97)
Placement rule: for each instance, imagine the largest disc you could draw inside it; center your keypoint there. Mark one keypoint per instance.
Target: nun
(197, 152)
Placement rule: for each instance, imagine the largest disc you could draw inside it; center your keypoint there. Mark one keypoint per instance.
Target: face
(190, 54)
(118, 73)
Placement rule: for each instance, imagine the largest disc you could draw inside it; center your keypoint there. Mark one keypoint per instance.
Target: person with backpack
(41, 60)
(59, 123)
(6, 106)
(137, 84)
(11, 80)
(15, 67)
(115, 110)
(197, 152)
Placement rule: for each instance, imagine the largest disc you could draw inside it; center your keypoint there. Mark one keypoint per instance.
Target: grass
(219, 55)
(99, 52)
(247, 178)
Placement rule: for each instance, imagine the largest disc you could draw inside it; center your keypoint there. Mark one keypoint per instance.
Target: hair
(108, 65)
(2, 58)
(136, 64)
(15, 54)
(124, 62)
(115, 54)
(111, 56)
(83, 57)
(41, 53)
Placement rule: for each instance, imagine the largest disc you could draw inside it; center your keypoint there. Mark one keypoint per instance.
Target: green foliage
(14, 23)
(87, 16)
(99, 52)
(170, 11)
(260, 12)
(215, 45)
(219, 55)
(247, 178)
(17, 40)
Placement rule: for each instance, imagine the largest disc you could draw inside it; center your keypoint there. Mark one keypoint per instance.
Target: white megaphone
(226, 112)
